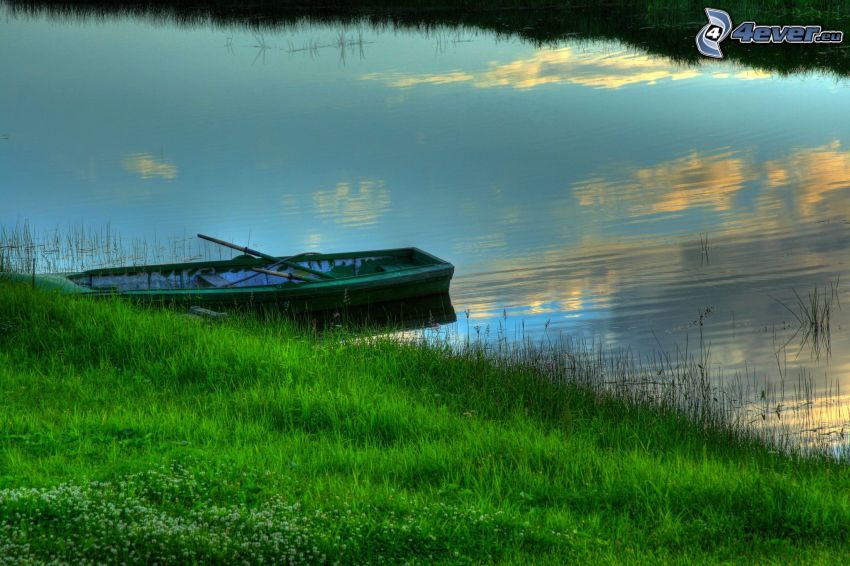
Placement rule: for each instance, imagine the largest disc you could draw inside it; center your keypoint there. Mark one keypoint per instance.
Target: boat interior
(247, 271)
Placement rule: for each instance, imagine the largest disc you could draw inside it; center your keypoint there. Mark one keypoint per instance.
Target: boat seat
(213, 280)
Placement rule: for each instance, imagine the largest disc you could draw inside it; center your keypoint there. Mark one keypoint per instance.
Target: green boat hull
(323, 282)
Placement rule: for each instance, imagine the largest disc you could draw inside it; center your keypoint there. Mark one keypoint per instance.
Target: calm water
(582, 188)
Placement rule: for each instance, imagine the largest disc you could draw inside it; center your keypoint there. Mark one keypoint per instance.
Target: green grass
(140, 436)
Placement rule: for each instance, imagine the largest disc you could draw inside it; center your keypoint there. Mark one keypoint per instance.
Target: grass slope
(140, 436)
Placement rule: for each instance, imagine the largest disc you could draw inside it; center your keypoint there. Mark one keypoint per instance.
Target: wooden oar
(270, 258)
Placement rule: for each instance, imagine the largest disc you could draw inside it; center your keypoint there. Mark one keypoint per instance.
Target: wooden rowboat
(310, 281)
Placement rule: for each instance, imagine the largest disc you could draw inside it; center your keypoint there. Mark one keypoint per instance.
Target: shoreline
(659, 28)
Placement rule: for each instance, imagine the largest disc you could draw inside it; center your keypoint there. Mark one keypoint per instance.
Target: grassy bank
(132, 435)
(659, 27)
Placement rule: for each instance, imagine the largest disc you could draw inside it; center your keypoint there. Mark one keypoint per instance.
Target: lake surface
(583, 188)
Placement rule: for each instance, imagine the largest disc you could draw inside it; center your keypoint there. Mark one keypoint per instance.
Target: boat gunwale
(435, 268)
(360, 282)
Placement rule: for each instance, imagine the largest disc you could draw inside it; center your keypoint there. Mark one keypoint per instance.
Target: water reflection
(646, 294)
(821, 176)
(817, 180)
(594, 65)
(779, 231)
(359, 205)
(147, 166)
(697, 179)
(427, 313)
